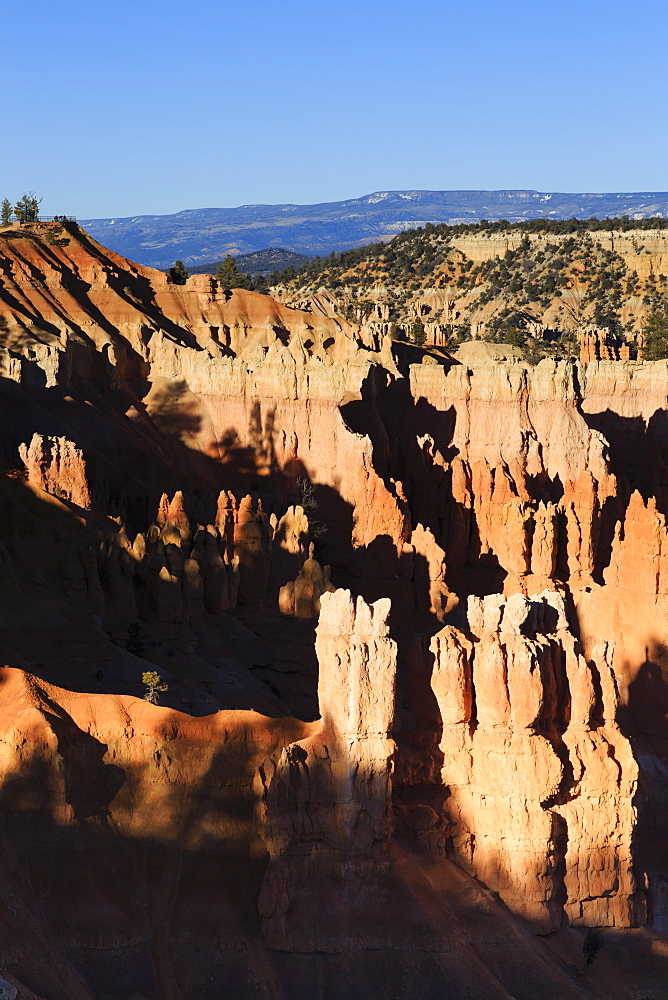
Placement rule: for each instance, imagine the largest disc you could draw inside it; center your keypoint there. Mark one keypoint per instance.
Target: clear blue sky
(151, 107)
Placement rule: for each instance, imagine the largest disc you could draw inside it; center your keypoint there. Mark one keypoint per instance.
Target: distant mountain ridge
(199, 236)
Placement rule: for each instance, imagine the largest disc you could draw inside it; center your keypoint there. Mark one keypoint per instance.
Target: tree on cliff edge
(153, 683)
(229, 276)
(26, 208)
(6, 212)
(179, 273)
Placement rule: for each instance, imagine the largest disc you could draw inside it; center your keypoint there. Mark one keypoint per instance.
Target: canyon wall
(637, 247)
(407, 626)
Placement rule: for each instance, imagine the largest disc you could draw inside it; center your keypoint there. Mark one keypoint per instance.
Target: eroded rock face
(302, 597)
(104, 794)
(529, 742)
(327, 799)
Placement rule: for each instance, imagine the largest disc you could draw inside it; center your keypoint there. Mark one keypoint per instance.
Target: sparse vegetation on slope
(531, 284)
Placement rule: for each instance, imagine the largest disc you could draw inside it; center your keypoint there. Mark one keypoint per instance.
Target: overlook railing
(42, 218)
(52, 218)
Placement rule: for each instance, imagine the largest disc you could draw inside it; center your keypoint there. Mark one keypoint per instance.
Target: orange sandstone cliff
(409, 626)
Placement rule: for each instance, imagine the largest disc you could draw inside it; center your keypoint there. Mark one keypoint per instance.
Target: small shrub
(592, 944)
(154, 684)
(309, 503)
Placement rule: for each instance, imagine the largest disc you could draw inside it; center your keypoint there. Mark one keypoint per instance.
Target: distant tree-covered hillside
(416, 245)
(262, 262)
(530, 283)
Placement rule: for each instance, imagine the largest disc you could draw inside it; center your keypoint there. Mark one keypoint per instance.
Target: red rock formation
(56, 466)
(145, 768)
(601, 345)
(302, 596)
(526, 810)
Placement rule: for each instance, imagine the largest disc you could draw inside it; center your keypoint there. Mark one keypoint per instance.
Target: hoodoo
(334, 666)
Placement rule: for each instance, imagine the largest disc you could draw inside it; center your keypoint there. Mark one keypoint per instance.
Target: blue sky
(153, 107)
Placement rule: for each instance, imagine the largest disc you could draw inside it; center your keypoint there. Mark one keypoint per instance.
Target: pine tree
(513, 336)
(655, 335)
(418, 334)
(27, 208)
(179, 273)
(33, 205)
(135, 640)
(6, 211)
(229, 276)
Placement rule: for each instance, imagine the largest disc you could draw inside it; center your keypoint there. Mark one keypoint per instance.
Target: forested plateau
(533, 285)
